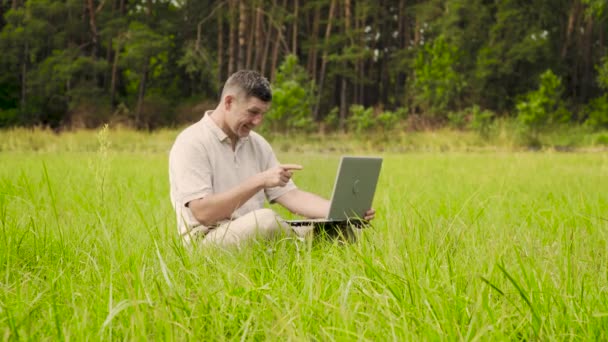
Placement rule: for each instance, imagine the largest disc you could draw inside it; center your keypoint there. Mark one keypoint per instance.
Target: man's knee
(268, 222)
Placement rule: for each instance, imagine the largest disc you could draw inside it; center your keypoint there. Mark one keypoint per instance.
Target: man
(221, 172)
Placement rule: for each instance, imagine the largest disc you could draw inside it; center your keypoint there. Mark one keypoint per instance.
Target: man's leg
(263, 223)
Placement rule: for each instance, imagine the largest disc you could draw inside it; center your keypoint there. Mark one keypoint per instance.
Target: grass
(485, 245)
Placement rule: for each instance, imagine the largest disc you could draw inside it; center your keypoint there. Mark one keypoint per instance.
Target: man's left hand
(369, 215)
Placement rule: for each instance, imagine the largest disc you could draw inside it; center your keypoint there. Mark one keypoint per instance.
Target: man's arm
(215, 207)
(310, 205)
(304, 203)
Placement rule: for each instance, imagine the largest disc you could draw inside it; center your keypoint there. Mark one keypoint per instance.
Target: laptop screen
(354, 188)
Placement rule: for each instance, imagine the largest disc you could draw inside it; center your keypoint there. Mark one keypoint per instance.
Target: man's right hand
(278, 175)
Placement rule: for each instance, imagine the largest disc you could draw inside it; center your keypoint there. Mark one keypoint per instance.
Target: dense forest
(333, 63)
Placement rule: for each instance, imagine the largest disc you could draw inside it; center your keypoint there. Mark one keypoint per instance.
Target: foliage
(9, 117)
(361, 118)
(597, 112)
(437, 84)
(200, 67)
(595, 7)
(602, 76)
(481, 120)
(292, 98)
(434, 57)
(387, 120)
(332, 119)
(543, 106)
(458, 119)
(516, 49)
(472, 117)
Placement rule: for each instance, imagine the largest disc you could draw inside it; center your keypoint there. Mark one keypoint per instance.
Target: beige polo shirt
(202, 162)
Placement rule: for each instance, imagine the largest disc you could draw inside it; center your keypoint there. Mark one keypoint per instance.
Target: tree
(293, 97)
(544, 106)
(145, 52)
(515, 53)
(437, 83)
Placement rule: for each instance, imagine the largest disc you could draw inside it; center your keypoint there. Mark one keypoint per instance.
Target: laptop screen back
(354, 187)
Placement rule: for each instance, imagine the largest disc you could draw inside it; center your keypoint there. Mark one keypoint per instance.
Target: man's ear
(228, 102)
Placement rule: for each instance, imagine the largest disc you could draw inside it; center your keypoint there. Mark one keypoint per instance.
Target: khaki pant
(262, 223)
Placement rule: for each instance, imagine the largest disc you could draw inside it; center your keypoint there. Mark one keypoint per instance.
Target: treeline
(334, 63)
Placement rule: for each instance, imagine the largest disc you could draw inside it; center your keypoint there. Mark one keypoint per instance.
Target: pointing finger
(291, 167)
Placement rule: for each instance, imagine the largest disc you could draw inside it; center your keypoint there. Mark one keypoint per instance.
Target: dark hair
(252, 83)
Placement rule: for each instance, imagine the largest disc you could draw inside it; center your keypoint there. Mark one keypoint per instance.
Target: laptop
(353, 192)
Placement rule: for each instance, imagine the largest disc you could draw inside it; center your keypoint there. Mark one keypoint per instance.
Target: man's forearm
(216, 207)
(305, 204)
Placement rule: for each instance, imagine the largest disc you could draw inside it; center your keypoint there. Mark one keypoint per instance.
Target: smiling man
(221, 172)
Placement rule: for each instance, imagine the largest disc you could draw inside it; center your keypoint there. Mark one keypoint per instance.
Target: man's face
(244, 114)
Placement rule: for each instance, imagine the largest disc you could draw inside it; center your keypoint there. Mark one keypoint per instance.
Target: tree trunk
(357, 39)
(242, 27)
(275, 48)
(312, 52)
(601, 37)
(258, 39)
(330, 17)
(141, 93)
(294, 33)
(24, 76)
(266, 49)
(93, 27)
(220, 49)
(573, 19)
(588, 68)
(114, 75)
(250, 42)
(275, 54)
(417, 32)
(231, 38)
(343, 105)
(400, 20)
(107, 74)
(343, 88)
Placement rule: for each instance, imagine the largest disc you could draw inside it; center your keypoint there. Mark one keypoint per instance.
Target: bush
(388, 119)
(543, 106)
(597, 112)
(602, 139)
(458, 119)
(9, 117)
(360, 119)
(292, 99)
(332, 119)
(602, 73)
(481, 121)
(437, 84)
(363, 119)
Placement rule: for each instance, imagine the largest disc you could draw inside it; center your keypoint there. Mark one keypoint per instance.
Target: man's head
(248, 83)
(245, 98)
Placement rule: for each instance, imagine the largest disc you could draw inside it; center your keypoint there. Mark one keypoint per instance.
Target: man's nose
(257, 119)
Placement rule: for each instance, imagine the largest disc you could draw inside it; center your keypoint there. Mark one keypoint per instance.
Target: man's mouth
(246, 129)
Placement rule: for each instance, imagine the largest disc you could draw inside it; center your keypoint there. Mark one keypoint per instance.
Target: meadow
(489, 244)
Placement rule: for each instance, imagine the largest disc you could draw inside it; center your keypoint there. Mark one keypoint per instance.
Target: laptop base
(358, 223)
(333, 230)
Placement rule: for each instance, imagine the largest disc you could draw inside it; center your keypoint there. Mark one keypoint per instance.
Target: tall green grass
(471, 246)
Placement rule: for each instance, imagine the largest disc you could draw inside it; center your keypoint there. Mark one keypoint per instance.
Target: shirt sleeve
(190, 174)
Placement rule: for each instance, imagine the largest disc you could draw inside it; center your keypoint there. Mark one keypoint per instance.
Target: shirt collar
(213, 127)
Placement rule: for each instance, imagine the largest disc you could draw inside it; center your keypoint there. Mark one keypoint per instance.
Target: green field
(466, 246)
